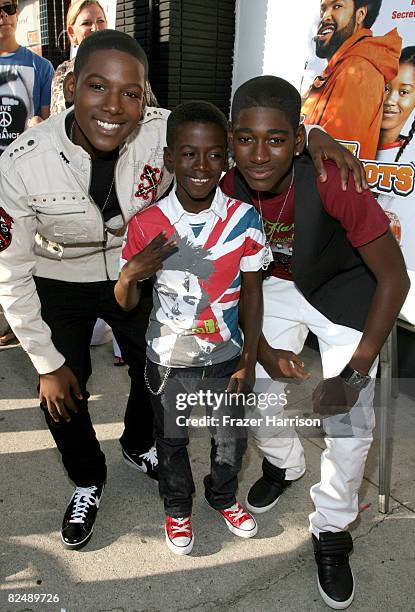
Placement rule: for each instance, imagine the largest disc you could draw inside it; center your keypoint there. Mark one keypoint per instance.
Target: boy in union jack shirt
(206, 252)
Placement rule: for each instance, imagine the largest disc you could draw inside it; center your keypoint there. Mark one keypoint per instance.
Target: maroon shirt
(359, 214)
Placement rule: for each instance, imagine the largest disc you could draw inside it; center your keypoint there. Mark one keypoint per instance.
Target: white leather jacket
(50, 226)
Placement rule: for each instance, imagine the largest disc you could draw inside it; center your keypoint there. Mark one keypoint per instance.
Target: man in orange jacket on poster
(347, 99)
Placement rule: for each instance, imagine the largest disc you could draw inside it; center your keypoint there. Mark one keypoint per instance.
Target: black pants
(176, 484)
(71, 310)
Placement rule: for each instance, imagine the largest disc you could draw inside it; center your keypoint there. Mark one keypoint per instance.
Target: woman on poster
(399, 200)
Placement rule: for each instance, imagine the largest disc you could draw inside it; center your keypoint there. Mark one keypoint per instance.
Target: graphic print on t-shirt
(16, 106)
(194, 320)
(194, 297)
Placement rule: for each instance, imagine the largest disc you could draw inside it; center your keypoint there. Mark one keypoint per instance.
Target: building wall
(190, 46)
(289, 31)
(250, 29)
(28, 27)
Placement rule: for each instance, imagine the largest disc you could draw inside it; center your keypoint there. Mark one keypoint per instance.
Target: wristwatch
(353, 378)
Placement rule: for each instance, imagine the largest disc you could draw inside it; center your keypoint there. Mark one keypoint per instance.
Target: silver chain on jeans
(163, 382)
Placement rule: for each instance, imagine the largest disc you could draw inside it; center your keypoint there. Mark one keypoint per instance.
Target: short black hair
(268, 92)
(373, 8)
(104, 40)
(194, 111)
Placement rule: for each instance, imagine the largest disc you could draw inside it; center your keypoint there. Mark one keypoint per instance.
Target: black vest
(327, 270)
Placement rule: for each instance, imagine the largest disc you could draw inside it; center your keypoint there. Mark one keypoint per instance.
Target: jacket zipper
(55, 214)
(104, 232)
(115, 189)
(103, 222)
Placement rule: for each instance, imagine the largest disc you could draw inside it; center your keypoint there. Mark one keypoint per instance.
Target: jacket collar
(347, 45)
(73, 154)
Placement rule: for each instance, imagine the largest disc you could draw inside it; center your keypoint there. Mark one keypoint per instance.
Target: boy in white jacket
(68, 187)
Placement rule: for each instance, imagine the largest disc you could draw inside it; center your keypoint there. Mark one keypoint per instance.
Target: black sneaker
(264, 494)
(80, 515)
(335, 579)
(145, 462)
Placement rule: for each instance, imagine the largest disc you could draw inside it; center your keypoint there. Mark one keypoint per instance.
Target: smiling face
(264, 144)
(399, 102)
(90, 19)
(338, 21)
(108, 99)
(197, 159)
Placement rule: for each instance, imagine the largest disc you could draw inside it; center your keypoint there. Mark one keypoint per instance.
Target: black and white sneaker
(144, 462)
(335, 579)
(80, 515)
(265, 492)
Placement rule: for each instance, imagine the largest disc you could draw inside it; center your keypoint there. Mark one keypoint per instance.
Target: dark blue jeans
(175, 475)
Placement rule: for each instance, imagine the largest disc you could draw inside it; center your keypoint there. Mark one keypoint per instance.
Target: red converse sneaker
(179, 535)
(239, 521)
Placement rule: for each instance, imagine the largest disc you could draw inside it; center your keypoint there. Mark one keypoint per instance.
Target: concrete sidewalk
(127, 566)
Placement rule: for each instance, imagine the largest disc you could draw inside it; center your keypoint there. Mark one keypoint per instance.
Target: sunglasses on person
(9, 9)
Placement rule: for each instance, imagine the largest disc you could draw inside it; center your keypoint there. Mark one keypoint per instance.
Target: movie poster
(343, 90)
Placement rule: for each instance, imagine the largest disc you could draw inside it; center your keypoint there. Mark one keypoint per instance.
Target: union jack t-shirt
(194, 321)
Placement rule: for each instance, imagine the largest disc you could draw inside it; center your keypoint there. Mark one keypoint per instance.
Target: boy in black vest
(334, 268)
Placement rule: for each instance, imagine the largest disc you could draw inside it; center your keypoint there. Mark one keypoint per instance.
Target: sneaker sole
(240, 532)
(179, 550)
(261, 509)
(332, 603)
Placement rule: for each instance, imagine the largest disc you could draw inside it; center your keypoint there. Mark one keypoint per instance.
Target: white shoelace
(83, 498)
(183, 525)
(151, 456)
(237, 512)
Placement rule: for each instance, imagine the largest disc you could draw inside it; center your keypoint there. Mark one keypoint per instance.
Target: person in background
(25, 80)
(83, 18)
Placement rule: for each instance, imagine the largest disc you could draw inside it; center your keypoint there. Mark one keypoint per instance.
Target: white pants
(101, 335)
(288, 317)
